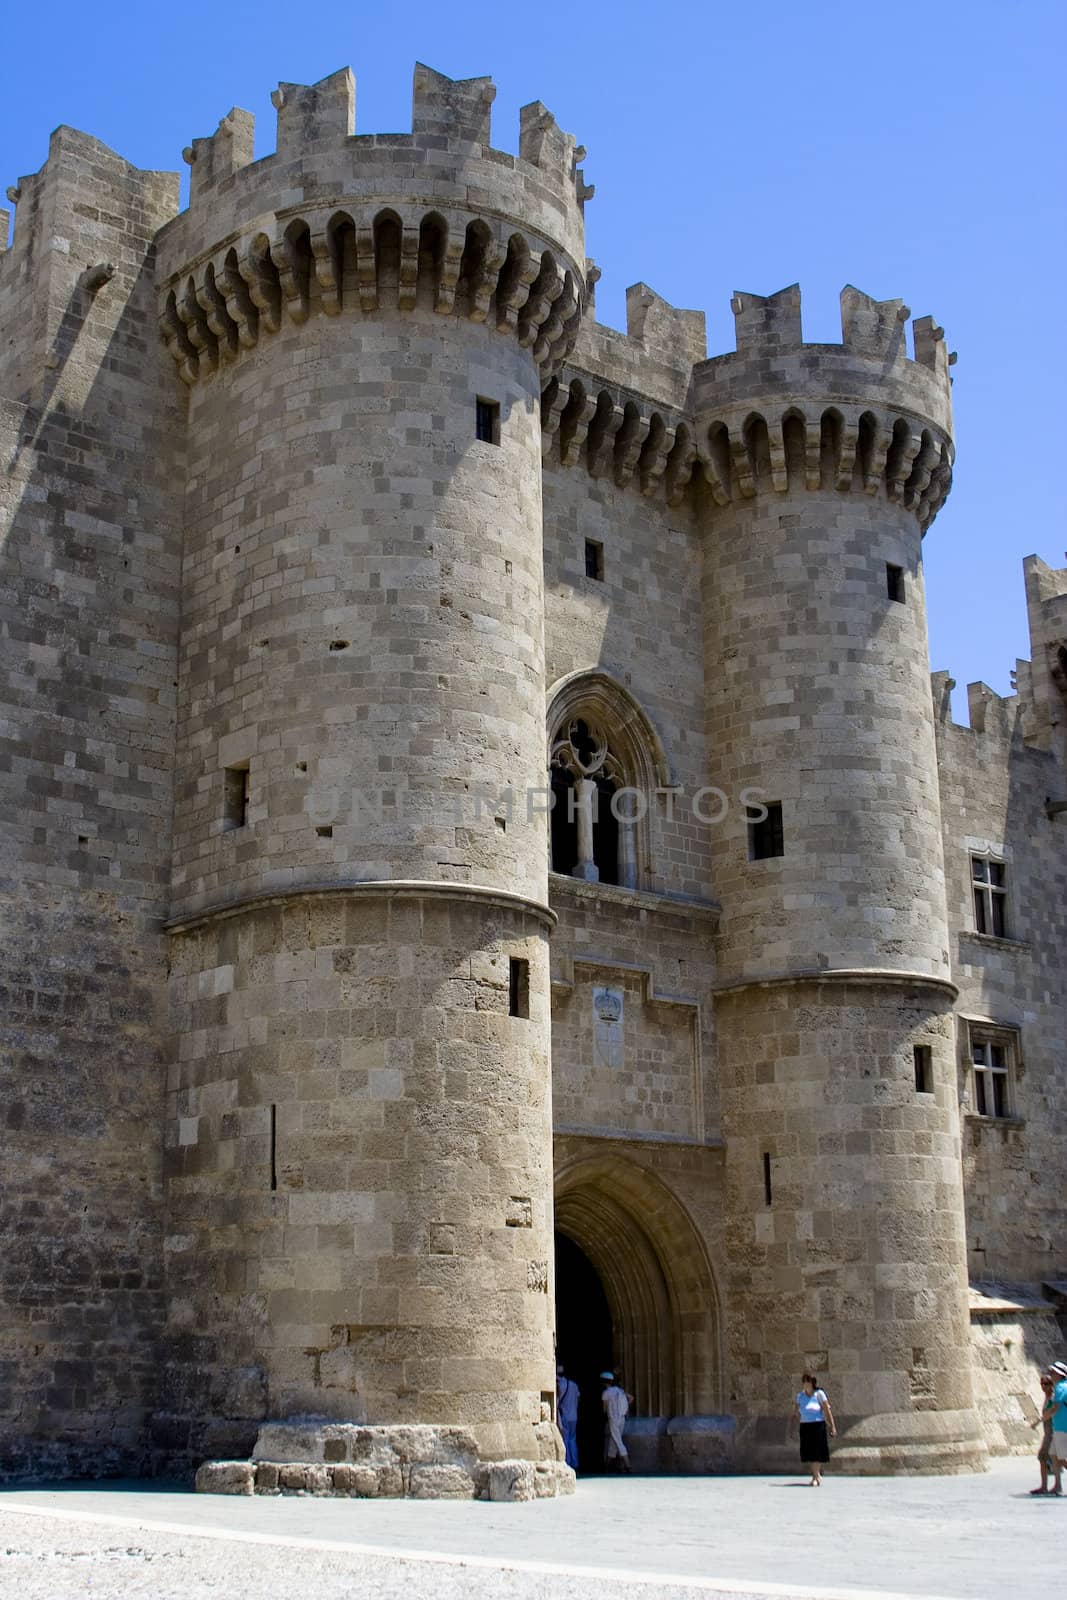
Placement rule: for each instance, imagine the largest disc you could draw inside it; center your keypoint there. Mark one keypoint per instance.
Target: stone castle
(485, 872)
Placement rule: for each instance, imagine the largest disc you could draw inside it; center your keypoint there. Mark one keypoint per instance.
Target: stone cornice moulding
(382, 889)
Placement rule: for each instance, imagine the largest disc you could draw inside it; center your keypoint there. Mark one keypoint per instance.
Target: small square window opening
(518, 987)
(594, 560)
(766, 838)
(894, 582)
(236, 788)
(487, 421)
(924, 1069)
(990, 890)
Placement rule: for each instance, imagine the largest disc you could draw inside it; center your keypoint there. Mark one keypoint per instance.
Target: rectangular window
(236, 781)
(766, 838)
(894, 582)
(487, 421)
(594, 560)
(924, 1069)
(992, 1076)
(518, 987)
(990, 890)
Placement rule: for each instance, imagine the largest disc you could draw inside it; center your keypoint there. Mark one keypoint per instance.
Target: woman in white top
(811, 1410)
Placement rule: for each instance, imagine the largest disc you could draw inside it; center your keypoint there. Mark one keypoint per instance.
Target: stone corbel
(263, 289)
(574, 434)
(293, 279)
(899, 472)
(366, 267)
(547, 288)
(199, 334)
(213, 305)
(408, 286)
(484, 280)
(628, 447)
(554, 402)
(653, 462)
(510, 301)
(448, 272)
(326, 258)
(603, 431)
(239, 306)
(177, 340)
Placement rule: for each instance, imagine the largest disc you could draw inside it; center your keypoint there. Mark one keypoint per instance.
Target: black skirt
(814, 1443)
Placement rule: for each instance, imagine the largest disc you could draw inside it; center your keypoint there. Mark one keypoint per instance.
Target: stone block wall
(994, 789)
(358, 1159)
(89, 562)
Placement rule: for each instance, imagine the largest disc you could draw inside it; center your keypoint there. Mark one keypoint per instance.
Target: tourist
(567, 1397)
(811, 1410)
(1044, 1421)
(616, 1409)
(1058, 1413)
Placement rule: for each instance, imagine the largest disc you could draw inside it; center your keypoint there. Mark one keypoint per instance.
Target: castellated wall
(331, 511)
(1001, 779)
(89, 568)
(359, 1134)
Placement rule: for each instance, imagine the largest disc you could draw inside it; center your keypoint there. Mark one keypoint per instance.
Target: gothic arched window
(605, 765)
(590, 838)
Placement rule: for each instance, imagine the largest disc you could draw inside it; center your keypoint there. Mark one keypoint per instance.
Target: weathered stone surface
(225, 1477)
(362, 1481)
(553, 1478)
(512, 1480)
(290, 598)
(440, 1483)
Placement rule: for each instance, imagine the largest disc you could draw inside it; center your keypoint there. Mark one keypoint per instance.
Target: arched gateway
(660, 1294)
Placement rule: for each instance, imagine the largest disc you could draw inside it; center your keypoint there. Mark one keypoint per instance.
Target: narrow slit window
(518, 987)
(236, 789)
(894, 582)
(594, 560)
(767, 1177)
(924, 1069)
(487, 421)
(766, 837)
(273, 1148)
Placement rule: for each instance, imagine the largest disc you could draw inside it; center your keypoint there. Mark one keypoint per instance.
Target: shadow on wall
(89, 566)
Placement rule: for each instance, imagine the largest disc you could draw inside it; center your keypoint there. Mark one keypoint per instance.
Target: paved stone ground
(965, 1538)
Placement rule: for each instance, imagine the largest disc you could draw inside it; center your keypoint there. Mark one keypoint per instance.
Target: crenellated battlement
(448, 149)
(334, 222)
(855, 414)
(870, 364)
(647, 407)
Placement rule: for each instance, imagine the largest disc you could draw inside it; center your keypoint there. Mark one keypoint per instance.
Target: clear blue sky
(912, 150)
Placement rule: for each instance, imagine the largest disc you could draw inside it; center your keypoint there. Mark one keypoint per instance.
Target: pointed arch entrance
(657, 1284)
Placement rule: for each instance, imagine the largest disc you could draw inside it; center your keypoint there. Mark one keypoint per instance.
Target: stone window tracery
(606, 767)
(592, 837)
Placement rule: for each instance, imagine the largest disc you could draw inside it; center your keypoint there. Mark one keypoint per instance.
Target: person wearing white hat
(1058, 1412)
(616, 1409)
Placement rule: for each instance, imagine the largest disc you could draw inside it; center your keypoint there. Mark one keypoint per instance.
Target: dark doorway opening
(584, 1344)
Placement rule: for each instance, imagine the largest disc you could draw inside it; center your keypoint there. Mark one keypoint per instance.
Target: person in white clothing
(811, 1410)
(567, 1396)
(616, 1410)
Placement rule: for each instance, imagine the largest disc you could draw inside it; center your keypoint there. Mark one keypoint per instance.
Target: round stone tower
(824, 465)
(359, 1179)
